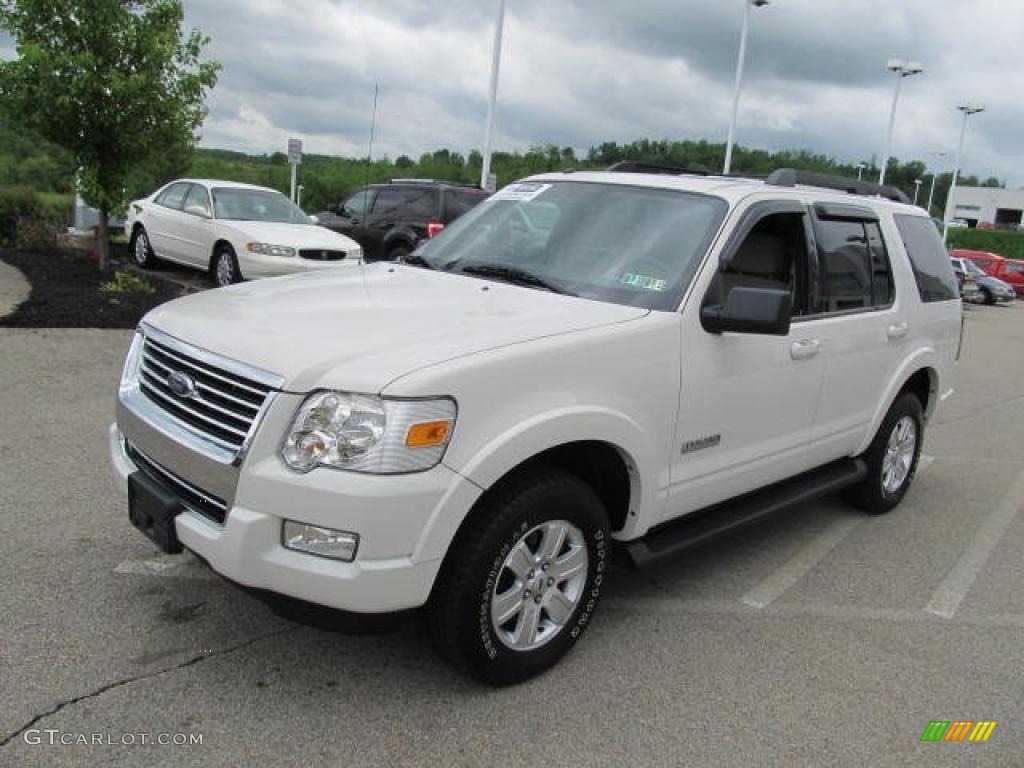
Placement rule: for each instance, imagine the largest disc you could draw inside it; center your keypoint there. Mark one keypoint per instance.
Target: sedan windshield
(610, 242)
(973, 268)
(238, 204)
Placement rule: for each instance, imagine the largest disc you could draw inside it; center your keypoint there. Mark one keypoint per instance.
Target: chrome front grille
(218, 399)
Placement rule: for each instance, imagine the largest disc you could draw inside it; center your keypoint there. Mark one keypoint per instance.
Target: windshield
(610, 242)
(237, 204)
(973, 268)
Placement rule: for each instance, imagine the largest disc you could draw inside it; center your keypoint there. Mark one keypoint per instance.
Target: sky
(580, 72)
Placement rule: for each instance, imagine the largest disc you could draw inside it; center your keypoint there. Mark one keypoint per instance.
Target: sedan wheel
(142, 253)
(225, 268)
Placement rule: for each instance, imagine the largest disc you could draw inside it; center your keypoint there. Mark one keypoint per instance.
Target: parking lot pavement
(821, 637)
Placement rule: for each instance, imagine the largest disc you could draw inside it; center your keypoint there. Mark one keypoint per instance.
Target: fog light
(324, 542)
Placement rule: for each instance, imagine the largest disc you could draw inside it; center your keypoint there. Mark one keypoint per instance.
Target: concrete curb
(14, 288)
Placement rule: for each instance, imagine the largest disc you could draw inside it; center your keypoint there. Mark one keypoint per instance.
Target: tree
(115, 82)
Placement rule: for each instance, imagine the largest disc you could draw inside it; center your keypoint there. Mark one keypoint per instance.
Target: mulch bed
(66, 292)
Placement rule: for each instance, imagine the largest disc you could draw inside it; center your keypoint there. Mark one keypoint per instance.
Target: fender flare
(531, 437)
(923, 359)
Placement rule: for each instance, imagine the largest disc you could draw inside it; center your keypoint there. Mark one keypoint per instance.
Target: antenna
(369, 153)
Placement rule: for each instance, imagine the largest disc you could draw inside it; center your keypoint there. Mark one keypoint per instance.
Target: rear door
(400, 216)
(862, 328)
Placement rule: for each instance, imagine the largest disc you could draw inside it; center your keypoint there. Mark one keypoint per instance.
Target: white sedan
(234, 231)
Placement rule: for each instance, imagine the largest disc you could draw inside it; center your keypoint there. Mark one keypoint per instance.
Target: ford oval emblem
(181, 384)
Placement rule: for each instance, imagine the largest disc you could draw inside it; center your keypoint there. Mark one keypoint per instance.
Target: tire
(224, 269)
(398, 253)
(985, 296)
(141, 250)
(889, 474)
(517, 519)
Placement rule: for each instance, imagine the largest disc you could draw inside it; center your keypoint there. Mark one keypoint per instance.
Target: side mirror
(314, 219)
(750, 310)
(198, 210)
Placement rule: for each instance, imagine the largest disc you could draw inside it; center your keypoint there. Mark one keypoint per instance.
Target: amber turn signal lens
(427, 434)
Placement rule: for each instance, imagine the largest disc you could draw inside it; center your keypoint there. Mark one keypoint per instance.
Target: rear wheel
(892, 457)
(141, 250)
(224, 269)
(398, 253)
(523, 579)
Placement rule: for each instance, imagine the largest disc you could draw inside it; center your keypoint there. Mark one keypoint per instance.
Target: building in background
(989, 206)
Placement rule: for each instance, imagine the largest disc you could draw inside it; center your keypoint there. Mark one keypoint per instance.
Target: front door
(747, 401)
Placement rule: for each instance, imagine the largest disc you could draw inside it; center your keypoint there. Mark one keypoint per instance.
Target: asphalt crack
(201, 657)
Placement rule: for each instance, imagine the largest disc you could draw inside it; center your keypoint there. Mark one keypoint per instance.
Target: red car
(1008, 270)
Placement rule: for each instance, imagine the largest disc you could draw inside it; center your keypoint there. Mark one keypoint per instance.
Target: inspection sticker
(523, 191)
(646, 282)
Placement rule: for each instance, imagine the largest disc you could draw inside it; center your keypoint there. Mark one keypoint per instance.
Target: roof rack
(631, 166)
(790, 177)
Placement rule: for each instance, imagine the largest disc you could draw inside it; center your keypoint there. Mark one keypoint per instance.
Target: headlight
(266, 249)
(130, 372)
(366, 433)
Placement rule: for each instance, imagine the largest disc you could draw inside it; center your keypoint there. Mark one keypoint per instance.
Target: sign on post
(294, 159)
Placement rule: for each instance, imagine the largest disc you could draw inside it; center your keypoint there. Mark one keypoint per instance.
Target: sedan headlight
(366, 433)
(267, 249)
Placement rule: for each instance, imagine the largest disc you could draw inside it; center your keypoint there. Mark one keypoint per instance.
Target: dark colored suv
(389, 220)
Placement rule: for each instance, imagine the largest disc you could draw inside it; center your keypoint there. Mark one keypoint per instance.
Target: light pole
(860, 170)
(931, 192)
(740, 61)
(968, 110)
(485, 170)
(917, 189)
(901, 69)
(298, 196)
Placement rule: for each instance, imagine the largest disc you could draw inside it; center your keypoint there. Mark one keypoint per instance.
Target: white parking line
(183, 566)
(772, 587)
(958, 582)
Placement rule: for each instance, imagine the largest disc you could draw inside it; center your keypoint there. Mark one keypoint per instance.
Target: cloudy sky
(578, 72)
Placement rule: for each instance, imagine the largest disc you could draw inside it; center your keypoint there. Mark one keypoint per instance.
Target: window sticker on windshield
(646, 282)
(522, 192)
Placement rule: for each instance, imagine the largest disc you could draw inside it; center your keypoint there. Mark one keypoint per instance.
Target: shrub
(16, 204)
(1004, 242)
(125, 283)
(29, 219)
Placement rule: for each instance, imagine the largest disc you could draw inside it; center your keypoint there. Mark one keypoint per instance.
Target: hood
(295, 235)
(361, 328)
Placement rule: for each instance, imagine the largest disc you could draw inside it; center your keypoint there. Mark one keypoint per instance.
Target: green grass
(1005, 243)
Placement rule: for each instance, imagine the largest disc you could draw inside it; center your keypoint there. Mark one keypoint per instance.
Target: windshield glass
(1015, 267)
(237, 204)
(973, 268)
(610, 242)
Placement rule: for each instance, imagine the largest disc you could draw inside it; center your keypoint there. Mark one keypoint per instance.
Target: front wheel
(523, 579)
(892, 457)
(224, 268)
(141, 250)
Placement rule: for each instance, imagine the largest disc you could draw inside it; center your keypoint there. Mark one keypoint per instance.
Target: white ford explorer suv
(582, 363)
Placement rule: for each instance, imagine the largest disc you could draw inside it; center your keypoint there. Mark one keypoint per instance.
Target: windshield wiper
(415, 260)
(513, 275)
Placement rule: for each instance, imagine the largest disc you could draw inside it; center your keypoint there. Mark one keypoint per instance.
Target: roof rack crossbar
(632, 166)
(790, 177)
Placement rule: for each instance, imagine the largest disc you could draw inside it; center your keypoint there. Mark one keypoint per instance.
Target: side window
(928, 258)
(458, 202)
(772, 255)
(882, 289)
(197, 197)
(359, 203)
(845, 264)
(174, 196)
(411, 202)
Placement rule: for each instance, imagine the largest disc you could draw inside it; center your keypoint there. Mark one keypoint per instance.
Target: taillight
(434, 228)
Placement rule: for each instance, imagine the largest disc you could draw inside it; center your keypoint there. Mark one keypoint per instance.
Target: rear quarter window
(933, 270)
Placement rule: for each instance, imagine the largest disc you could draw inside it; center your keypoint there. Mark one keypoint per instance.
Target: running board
(669, 540)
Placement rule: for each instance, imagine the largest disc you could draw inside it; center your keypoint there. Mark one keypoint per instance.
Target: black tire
(872, 494)
(140, 249)
(459, 613)
(224, 269)
(398, 253)
(985, 296)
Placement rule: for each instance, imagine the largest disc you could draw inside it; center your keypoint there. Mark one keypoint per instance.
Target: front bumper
(255, 265)
(404, 523)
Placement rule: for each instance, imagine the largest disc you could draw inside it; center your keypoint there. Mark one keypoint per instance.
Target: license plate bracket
(152, 509)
